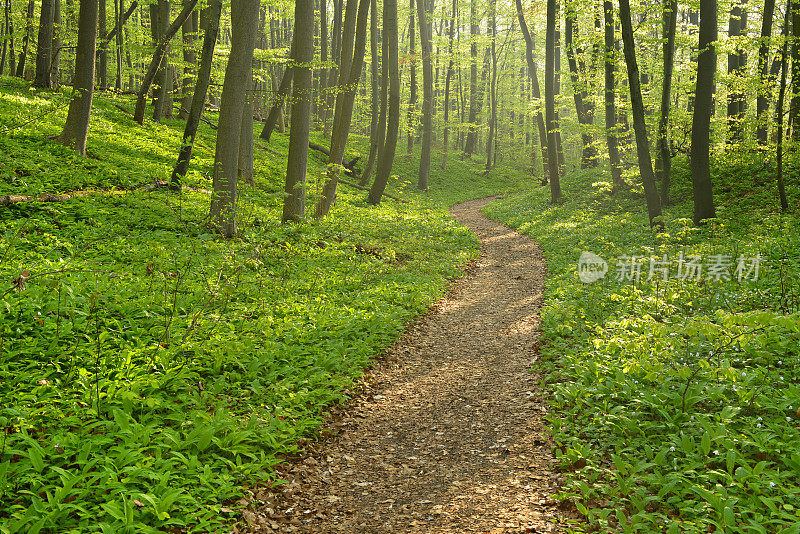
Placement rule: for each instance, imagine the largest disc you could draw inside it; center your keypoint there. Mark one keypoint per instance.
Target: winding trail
(448, 436)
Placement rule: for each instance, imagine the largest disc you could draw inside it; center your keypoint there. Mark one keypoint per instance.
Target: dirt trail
(449, 435)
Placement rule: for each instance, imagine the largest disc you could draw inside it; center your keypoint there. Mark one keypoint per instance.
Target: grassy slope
(678, 403)
(148, 369)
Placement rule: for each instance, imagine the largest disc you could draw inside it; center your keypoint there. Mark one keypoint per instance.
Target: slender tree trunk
(294, 204)
(188, 37)
(449, 76)
(534, 76)
(639, 125)
(474, 109)
(610, 96)
(386, 156)
(44, 46)
(212, 16)
(375, 91)
(579, 93)
(493, 86)
(412, 73)
(424, 14)
(238, 76)
(275, 115)
(664, 158)
(76, 128)
(764, 88)
(352, 59)
(706, 68)
(549, 102)
(158, 55)
(26, 40)
(779, 106)
(737, 63)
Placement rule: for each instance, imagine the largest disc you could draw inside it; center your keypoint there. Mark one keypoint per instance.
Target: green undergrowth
(150, 370)
(676, 403)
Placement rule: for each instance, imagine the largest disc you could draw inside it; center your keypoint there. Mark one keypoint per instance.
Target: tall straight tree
(424, 14)
(386, 155)
(639, 125)
(354, 43)
(610, 96)
(412, 75)
(530, 47)
(701, 121)
(549, 102)
(448, 77)
(76, 129)
(294, 203)
(493, 86)
(664, 158)
(211, 15)
(765, 81)
(44, 51)
(737, 64)
(238, 77)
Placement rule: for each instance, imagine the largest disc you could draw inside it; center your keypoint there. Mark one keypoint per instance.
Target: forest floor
(448, 435)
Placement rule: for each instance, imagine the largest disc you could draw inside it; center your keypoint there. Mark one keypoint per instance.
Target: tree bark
(238, 75)
(294, 204)
(664, 157)
(610, 96)
(386, 156)
(764, 89)
(352, 59)
(44, 46)
(212, 16)
(158, 55)
(549, 102)
(530, 47)
(76, 128)
(706, 68)
(424, 14)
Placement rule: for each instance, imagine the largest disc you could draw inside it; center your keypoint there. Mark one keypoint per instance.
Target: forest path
(449, 434)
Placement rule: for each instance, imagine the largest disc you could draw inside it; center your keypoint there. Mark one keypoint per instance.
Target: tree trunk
(639, 125)
(26, 40)
(412, 73)
(275, 112)
(579, 93)
(706, 68)
(762, 103)
(664, 157)
(448, 77)
(375, 91)
(530, 47)
(294, 204)
(212, 16)
(352, 59)
(424, 14)
(386, 156)
(76, 129)
(44, 45)
(158, 55)
(493, 86)
(549, 102)
(188, 36)
(737, 64)
(238, 76)
(779, 106)
(610, 95)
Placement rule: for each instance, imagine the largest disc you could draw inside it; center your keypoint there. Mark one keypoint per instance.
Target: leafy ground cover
(676, 402)
(149, 370)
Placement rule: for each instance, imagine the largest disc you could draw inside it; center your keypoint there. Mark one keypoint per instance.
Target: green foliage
(150, 370)
(675, 403)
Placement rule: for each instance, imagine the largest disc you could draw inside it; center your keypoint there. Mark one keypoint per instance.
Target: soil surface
(449, 434)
